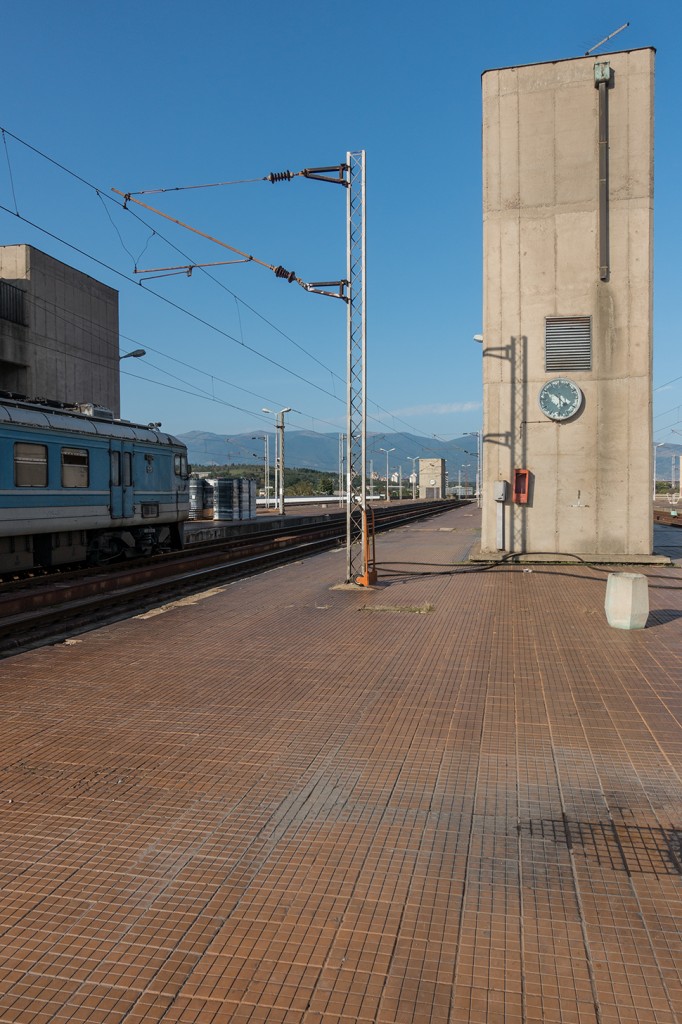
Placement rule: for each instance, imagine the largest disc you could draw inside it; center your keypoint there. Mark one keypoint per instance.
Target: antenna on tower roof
(601, 43)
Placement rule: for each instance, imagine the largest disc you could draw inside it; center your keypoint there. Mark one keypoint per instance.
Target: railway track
(45, 609)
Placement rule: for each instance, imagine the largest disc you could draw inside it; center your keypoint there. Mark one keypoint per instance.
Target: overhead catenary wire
(170, 302)
(9, 168)
(102, 195)
(194, 316)
(195, 394)
(667, 383)
(278, 270)
(186, 188)
(316, 173)
(79, 320)
(308, 172)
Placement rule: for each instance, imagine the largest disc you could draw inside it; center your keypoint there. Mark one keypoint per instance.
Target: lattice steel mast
(360, 566)
(357, 549)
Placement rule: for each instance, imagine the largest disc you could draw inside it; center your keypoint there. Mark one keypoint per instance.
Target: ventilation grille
(568, 343)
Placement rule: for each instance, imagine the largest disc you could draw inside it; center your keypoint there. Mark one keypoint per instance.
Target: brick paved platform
(456, 797)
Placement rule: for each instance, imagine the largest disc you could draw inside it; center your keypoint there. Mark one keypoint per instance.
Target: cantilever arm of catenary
(278, 271)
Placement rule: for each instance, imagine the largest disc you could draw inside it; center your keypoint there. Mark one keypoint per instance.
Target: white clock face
(560, 398)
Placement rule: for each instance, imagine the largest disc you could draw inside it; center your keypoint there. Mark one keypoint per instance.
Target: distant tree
(297, 481)
(302, 488)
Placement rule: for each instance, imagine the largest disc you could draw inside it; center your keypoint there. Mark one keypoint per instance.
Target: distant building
(432, 479)
(58, 331)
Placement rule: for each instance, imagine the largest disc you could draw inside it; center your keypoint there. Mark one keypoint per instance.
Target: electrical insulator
(282, 176)
(288, 275)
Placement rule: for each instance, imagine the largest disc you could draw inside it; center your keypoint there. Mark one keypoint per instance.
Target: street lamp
(342, 464)
(479, 471)
(266, 465)
(658, 444)
(135, 354)
(279, 456)
(413, 459)
(672, 470)
(387, 450)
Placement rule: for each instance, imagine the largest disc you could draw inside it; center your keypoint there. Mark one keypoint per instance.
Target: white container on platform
(627, 600)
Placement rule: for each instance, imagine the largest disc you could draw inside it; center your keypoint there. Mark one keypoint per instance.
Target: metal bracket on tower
(322, 174)
(318, 288)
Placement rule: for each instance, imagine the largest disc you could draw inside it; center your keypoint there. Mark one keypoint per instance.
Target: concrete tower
(567, 324)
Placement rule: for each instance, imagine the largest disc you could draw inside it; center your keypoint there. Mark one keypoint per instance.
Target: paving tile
(291, 803)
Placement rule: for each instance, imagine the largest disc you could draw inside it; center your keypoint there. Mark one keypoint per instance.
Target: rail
(35, 611)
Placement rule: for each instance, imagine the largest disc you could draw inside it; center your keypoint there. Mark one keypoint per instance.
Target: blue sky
(138, 96)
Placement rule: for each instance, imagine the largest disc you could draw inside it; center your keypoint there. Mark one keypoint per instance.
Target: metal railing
(11, 303)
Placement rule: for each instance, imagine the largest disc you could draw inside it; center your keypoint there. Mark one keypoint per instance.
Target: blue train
(78, 486)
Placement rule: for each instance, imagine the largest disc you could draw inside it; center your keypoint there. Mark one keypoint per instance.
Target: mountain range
(308, 450)
(305, 449)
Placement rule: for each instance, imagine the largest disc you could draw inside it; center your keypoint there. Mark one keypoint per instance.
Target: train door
(121, 480)
(115, 485)
(127, 484)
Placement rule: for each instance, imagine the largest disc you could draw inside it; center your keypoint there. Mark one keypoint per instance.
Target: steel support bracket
(322, 174)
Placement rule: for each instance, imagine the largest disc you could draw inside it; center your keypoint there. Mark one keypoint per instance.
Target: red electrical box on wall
(521, 486)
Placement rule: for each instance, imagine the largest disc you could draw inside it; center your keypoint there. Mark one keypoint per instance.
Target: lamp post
(479, 470)
(135, 354)
(266, 465)
(342, 464)
(279, 455)
(478, 338)
(466, 469)
(413, 459)
(658, 444)
(672, 469)
(387, 450)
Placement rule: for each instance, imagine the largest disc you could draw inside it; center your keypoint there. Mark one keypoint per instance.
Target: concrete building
(58, 331)
(567, 325)
(432, 483)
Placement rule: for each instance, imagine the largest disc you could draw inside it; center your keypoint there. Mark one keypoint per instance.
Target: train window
(75, 467)
(115, 469)
(30, 464)
(127, 469)
(181, 465)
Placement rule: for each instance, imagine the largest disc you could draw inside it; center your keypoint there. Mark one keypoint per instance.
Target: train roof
(54, 416)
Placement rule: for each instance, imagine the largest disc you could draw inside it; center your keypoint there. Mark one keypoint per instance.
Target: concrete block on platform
(627, 600)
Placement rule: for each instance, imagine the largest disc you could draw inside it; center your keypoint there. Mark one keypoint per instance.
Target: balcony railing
(11, 303)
